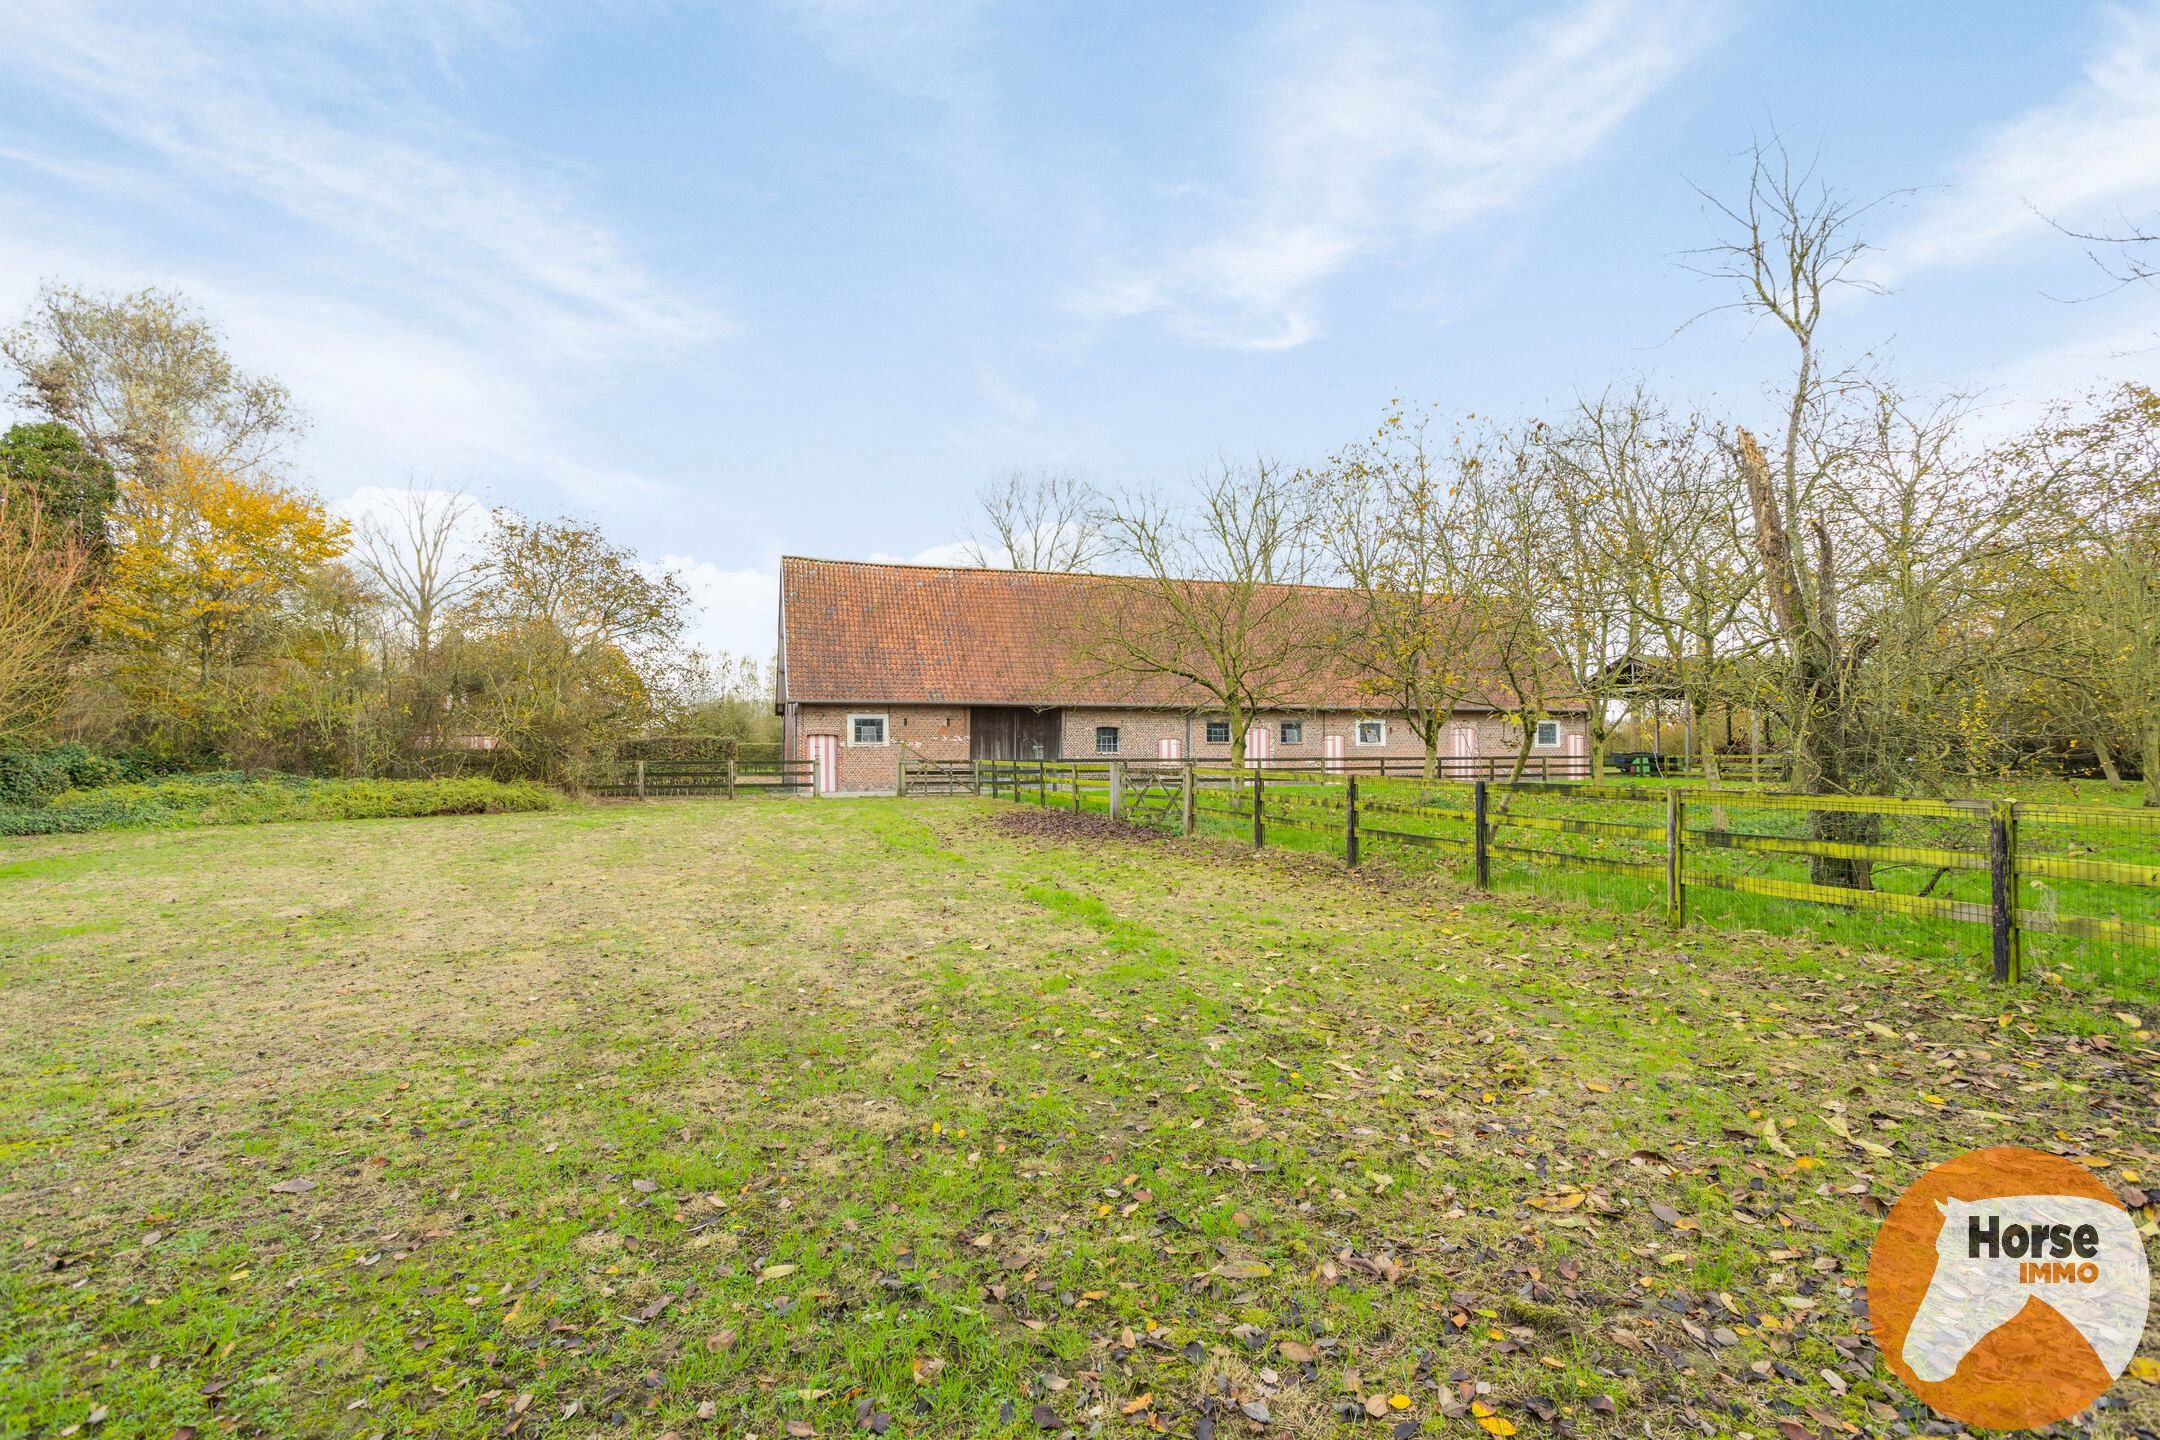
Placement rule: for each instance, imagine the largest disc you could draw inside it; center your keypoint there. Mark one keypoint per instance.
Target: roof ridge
(950, 569)
(1060, 574)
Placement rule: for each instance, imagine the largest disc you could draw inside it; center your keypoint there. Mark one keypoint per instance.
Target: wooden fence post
(1117, 789)
(2002, 867)
(1185, 801)
(1350, 824)
(1259, 805)
(731, 776)
(1042, 782)
(1480, 857)
(1675, 849)
(900, 774)
(641, 779)
(1076, 786)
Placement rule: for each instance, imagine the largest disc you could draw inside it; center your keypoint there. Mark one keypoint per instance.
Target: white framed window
(1218, 732)
(1548, 734)
(1372, 732)
(1106, 739)
(1293, 732)
(866, 729)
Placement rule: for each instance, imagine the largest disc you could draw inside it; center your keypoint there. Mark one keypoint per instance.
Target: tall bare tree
(1793, 242)
(1209, 604)
(419, 557)
(1038, 520)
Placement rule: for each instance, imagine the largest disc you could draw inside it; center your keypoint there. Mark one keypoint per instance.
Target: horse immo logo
(2008, 1288)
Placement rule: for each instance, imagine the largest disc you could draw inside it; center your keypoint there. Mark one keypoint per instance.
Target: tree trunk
(2149, 760)
(2106, 757)
(1809, 630)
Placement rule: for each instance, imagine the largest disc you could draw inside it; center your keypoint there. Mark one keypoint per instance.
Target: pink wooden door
(1578, 750)
(1331, 751)
(1260, 743)
(824, 751)
(1169, 748)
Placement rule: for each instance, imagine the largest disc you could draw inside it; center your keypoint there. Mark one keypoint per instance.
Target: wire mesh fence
(2019, 887)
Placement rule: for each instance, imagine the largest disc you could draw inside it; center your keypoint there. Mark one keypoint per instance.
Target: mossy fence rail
(2087, 877)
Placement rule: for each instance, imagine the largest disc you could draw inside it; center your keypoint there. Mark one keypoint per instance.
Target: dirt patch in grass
(710, 1118)
(1066, 827)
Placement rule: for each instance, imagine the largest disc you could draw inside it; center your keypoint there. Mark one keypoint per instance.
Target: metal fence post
(1675, 848)
(1185, 801)
(1480, 857)
(1350, 824)
(641, 779)
(2002, 867)
(1259, 805)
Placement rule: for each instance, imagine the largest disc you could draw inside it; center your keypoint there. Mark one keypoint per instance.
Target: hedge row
(231, 799)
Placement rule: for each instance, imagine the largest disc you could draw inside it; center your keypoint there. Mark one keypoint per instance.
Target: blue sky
(798, 277)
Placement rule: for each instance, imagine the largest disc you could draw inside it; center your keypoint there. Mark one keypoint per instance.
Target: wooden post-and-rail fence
(1691, 847)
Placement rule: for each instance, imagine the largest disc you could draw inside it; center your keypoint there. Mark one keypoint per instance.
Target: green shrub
(229, 798)
(29, 775)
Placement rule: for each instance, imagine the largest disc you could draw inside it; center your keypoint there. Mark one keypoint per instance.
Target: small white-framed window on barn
(1372, 732)
(1548, 734)
(866, 729)
(1293, 732)
(1106, 739)
(1218, 732)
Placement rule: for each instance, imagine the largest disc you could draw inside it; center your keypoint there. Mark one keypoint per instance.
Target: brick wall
(933, 732)
(940, 732)
(1141, 731)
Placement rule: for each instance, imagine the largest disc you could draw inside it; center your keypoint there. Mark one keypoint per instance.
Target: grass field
(2085, 830)
(947, 1118)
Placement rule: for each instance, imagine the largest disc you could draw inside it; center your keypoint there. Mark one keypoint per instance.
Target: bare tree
(1794, 242)
(2097, 475)
(416, 554)
(1038, 520)
(1404, 516)
(43, 567)
(1212, 606)
(144, 376)
(1646, 519)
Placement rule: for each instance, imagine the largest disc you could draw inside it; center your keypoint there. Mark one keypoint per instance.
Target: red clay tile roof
(854, 631)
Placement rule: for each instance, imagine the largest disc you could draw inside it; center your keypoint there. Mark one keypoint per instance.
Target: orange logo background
(2033, 1371)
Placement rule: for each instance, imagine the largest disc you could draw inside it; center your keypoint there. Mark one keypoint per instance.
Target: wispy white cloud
(250, 101)
(1376, 124)
(2084, 160)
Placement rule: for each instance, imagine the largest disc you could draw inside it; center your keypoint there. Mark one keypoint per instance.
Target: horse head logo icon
(1989, 1272)
(1994, 1257)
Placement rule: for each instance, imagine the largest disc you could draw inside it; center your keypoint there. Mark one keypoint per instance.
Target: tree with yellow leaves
(208, 569)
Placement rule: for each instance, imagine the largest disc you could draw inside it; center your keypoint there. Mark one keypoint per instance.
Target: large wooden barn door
(1013, 732)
